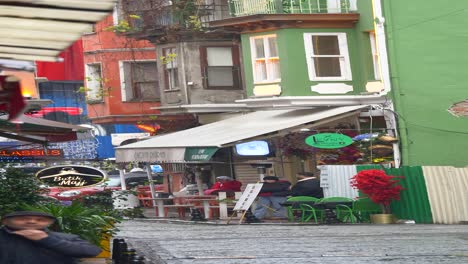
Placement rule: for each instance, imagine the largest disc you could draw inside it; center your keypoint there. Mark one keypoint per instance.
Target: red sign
(31, 153)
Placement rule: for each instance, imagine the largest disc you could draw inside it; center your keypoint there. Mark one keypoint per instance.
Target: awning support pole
(199, 180)
(150, 180)
(122, 180)
(158, 203)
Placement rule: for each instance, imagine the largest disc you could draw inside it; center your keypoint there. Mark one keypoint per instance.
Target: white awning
(255, 125)
(38, 30)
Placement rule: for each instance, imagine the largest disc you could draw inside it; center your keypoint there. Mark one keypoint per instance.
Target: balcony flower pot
(382, 189)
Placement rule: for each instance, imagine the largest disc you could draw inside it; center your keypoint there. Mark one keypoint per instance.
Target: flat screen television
(253, 148)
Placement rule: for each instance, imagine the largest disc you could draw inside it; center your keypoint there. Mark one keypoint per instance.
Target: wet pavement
(175, 242)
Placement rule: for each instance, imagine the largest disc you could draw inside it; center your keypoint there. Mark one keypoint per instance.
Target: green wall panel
(366, 15)
(427, 53)
(414, 201)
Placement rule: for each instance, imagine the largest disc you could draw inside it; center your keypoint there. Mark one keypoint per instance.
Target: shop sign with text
(31, 153)
(71, 176)
(199, 154)
(328, 141)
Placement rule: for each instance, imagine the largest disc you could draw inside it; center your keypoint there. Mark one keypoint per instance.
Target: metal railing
(252, 7)
(205, 13)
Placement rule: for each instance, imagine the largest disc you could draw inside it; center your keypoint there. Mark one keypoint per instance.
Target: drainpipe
(184, 79)
(384, 58)
(380, 37)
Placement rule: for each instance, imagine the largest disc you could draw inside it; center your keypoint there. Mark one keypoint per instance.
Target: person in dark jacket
(271, 197)
(307, 185)
(24, 239)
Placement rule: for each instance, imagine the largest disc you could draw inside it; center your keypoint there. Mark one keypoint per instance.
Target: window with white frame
(93, 82)
(139, 80)
(327, 56)
(375, 55)
(265, 59)
(171, 78)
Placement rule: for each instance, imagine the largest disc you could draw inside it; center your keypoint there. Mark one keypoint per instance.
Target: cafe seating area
(300, 209)
(330, 210)
(210, 206)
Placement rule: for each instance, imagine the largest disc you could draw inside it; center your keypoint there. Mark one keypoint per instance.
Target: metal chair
(291, 209)
(359, 212)
(334, 211)
(307, 213)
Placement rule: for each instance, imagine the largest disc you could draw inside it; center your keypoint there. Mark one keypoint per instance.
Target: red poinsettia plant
(378, 186)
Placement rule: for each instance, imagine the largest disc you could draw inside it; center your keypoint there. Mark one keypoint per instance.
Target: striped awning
(38, 30)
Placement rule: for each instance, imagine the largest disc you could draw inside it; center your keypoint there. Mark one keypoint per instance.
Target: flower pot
(106, 248)
(382, 218)
(381, 150)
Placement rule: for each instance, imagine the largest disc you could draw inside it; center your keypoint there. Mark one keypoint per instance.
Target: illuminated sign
(71, 176)
(31, 153)
(253, 148)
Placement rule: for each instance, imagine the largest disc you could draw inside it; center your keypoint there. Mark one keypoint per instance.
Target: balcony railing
(253, 7)
(193, 14)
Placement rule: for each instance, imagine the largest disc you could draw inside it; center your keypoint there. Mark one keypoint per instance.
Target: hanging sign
(328, 141)
(199, 154)
(71, 176)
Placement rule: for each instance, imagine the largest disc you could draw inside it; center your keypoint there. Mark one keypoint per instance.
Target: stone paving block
(163, 242)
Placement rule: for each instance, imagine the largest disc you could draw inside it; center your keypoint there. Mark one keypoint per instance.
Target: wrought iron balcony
(240, 8)
(189, 17)
(178, 14)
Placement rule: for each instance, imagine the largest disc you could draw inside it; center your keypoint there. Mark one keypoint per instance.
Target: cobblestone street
(183, 243)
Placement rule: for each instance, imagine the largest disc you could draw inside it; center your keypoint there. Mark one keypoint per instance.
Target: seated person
(224, 184)
(307, 185)
(271, 197)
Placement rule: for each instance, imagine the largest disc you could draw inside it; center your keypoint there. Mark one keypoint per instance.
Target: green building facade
(426, 86)
(293, 47)
(428, 66)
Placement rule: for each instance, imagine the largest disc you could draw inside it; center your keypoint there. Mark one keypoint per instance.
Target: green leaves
(17, 188)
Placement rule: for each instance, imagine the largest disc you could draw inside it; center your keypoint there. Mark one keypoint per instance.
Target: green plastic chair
(359, 212)
(291, 209)
(335, 199)
(307, 213)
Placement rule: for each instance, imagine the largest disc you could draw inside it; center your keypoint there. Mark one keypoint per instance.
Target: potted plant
(381, 188)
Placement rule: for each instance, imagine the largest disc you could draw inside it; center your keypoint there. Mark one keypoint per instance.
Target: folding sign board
(248, 196)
